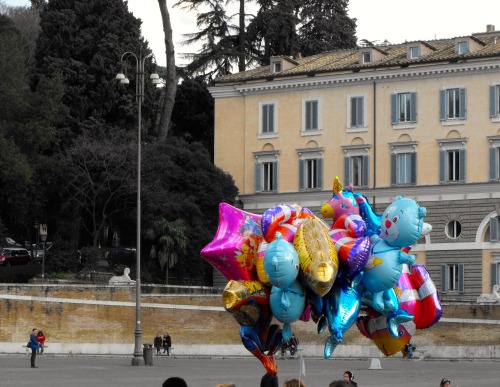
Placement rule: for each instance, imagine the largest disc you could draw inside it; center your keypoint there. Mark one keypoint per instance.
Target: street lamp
(140, 59)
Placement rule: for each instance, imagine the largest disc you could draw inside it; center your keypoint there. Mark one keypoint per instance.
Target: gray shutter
(347, 171)
(461, 278)
(413, 167)
(493, 164)
(493, 101)
(394, 109)
(315, 113)
(319, 171)
(257, 177)
(463, 103)
(413, 107)
(361, 111)
(494, 229)
(366, 171)
(275, 176)
(271, 119)
(302, 167)
(444, 278)
(462, 167)
(442, 105)
(494, 280)
(442, 166)
(394, 159)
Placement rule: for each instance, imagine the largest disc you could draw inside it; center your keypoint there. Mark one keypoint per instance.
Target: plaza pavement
(109, 371)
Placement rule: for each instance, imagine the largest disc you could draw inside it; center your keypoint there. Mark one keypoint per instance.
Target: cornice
(379, 75)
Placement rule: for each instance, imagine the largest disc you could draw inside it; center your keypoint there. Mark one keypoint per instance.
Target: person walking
(158, 343)
(40, 337)
(33, 344)
(349, 377)
(167, 343)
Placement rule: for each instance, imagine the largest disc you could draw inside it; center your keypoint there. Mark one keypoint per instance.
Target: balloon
(259, 263)
(317, 256)
(285, 219)
(234, 248)
(342, 202)
(431, 306)
(341, 307)
(281, 262)
(287, 305)
(407, 294)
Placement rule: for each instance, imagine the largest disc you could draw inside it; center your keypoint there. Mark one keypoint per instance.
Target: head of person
(174, 381)
(34, 331)
(294, 383)
(340, 383)
(445, 382)
(348, 376)
(269, 380)
(40, 333)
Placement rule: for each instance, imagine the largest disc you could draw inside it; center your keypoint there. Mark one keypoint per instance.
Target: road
(112, 371)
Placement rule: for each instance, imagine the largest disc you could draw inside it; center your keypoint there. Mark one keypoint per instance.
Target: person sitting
(40, 337)
(157, 343)
(294, 345)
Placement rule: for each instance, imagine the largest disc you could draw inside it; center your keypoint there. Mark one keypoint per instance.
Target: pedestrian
(349, 377)
(167, 343)
(339, 383)
(174, 381)
(40, 337)
(294, 345)
(445, 382)
(269, 380)
(158, 342)
(33, 344)
(294, 383)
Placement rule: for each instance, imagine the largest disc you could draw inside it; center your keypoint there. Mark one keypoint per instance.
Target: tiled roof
(393, 55)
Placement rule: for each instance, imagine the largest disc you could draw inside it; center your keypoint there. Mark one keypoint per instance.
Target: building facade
(419, 119)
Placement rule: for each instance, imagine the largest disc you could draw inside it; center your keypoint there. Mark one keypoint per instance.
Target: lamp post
(140, 60)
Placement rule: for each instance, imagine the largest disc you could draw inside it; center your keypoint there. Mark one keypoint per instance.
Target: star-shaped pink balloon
(233, 251)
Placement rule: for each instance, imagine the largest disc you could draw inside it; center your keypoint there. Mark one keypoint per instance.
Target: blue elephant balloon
(281, 262)
(287, 305)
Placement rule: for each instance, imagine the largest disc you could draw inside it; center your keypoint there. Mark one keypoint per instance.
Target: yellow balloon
(237, 296)
(259, 264)
(317, 255)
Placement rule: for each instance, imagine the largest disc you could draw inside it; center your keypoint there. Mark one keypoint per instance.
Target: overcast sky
(377, 20)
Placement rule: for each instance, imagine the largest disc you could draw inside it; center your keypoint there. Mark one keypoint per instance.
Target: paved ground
(112, 371)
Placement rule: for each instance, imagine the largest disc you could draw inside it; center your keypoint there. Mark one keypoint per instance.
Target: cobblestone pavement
(112, 371)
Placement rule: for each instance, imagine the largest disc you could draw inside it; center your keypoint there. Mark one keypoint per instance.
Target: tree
(171, 79)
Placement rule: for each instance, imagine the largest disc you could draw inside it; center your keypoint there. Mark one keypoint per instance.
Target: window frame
(463, 47)
(274, 132)
(359, 102)
(307, 156)
(263, 160)
(460, 168)
(408, 148)
(494, 158)
(494, 91)
(458, 280)
(361, 153)
(456, 98)
(311, 131)
(411, 52)
(411, 114)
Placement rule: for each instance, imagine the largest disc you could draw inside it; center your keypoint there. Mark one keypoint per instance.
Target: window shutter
(493, 164)
(442, 105)
(461, 278)
(442, 167)
(494, 229)
(271, 119)
(257, 181)
(319, 171)
(494, 280)
(394, 109)
(394, 159)
(493, 101)
(302, 180)
(444, 278)
(462, 167)
(463, 104)
(361, 111)
(413, 177)
(347, 171)
(275, 176)
(315, 112)
(307, 125)
(365, 171)
(413, 107)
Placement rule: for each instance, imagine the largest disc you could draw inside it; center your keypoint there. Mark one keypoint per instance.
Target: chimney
(490, 28)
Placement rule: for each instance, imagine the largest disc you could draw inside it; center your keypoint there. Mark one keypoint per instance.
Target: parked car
(14, 256)
(38, 251)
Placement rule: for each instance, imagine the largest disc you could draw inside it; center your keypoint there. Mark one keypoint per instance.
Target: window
(414, 52)
(452, 161)
(310, 168)
(403, 168)
(494, 101)
(452, 104)
(311, 119)
(277, 67)
(404, 108)
(366, 57)
(495, 229)
(267, 119)
(356, 114)
(495, 274)
(356, 171)
(462, 47)
(266, 171)
(452, 278)
(494, 163)
(453, 229)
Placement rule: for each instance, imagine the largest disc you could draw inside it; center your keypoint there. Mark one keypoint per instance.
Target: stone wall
(101, 319)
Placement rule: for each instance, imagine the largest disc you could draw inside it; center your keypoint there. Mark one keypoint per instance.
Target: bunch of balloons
(288, 264)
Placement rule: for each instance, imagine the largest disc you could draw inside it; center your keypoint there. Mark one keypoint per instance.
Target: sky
(377, 20)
